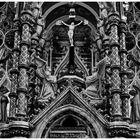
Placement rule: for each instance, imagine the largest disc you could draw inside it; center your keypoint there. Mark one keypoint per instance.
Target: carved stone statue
(36, 6)
(94, 82)
(5, 85)
(135, 84)
(126, 5)
(39, 27)
(71, 28)
(103, 7)
(103, 18)
(49, 81)
(40, 20)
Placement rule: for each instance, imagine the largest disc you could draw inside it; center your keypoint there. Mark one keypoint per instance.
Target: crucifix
(71, 28)
(70, 33)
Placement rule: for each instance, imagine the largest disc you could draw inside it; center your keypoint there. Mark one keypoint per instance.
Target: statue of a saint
(102, 19)
(36, 8)
(135, 84)
(40, 19)
(49, 81)
(71, 28)
(5, 85)
(94, 82)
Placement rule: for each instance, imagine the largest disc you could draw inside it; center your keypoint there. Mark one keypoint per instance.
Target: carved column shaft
(115, 68)
(14, 72)
(23, 71)
(124, 73)
(32, 76)
(107, 75)
(108, 70)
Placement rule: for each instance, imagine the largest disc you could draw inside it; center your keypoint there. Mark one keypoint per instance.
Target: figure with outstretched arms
(71, 28)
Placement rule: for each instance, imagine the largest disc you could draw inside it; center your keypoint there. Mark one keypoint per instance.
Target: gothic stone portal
(69, 124)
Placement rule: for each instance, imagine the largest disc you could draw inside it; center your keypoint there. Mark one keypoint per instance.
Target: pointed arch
(63, 3)
(91, 121)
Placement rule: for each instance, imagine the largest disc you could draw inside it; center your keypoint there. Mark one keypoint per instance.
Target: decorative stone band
(15, 129)
(122, 27)
(113, 19)
(17, 24)
(122, 129)
(27, 17)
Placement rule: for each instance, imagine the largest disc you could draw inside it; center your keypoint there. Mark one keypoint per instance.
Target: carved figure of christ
(71, 30)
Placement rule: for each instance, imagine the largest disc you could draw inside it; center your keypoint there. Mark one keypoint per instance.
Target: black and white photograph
(69, 69)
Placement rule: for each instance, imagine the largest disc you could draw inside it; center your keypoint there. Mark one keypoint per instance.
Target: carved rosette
(14, 71)
(124, 73)
(115, 67)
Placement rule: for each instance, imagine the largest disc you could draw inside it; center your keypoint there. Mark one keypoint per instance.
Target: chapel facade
(69, 69)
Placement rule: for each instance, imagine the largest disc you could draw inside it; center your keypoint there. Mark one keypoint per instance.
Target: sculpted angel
(49, 81)
(94, 82)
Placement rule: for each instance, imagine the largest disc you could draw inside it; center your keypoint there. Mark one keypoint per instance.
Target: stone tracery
(95, 63)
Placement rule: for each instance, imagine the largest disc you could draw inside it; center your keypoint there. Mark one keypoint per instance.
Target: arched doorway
(69, 125)
(58, 119)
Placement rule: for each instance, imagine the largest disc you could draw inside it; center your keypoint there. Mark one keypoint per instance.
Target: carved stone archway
(95, 128)
(63, 3)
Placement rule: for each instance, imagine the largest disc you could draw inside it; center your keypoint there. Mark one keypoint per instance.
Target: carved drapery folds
(3, 104)
(43, 68)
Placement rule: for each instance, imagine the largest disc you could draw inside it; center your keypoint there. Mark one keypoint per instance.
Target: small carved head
(72, 23)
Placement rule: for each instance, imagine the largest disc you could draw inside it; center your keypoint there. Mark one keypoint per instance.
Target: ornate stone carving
(48, 90)
(14, 72)
(99, 74)
(134, 85)
(94, 82)
(16, 132)
(23, 67)
(121, 133)
(115, 67)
